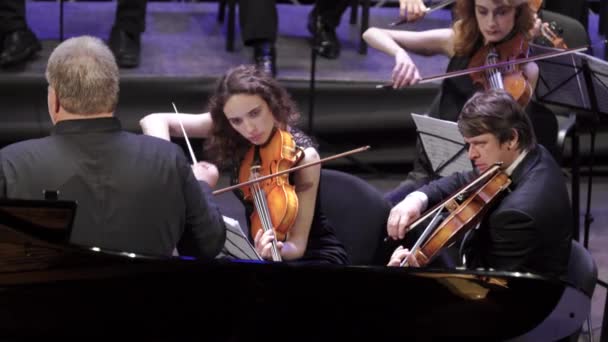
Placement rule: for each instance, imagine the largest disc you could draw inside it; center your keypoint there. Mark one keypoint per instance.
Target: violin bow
(423, 236)
(340, 155)
(428, 10)
(185, 135)
(490, 66)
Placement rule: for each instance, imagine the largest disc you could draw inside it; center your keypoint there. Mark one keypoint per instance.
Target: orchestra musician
(530, 227)
(135, 193)
(480, 22)
(246, 110)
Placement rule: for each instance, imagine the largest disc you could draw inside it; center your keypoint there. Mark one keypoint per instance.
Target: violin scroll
(550, 32)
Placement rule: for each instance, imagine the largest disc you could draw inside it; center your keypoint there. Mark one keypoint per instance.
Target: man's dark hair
(496, 112)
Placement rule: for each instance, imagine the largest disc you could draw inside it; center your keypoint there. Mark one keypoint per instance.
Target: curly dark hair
(466, 29)
(225, 144)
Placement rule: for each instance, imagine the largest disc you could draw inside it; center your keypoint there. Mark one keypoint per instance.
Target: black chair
(582, 273)
(230, 26)
(358, 213)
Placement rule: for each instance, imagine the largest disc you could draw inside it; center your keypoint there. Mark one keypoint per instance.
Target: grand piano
(49, 288)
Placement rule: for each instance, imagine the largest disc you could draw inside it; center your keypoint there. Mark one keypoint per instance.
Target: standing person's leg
(17, 41)
(259, 20)
(324, 18)
(128, 26)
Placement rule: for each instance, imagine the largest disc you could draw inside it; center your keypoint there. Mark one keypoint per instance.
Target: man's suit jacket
(134, 192)
(530, 228)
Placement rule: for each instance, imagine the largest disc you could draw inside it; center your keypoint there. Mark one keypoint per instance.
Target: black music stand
(578, 82)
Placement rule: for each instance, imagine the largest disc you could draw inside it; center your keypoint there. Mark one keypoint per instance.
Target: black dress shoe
(326, 43)
(264, 57)
(126, 47)
(18, 46)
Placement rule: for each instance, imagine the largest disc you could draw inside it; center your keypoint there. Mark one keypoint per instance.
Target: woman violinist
(480, 23)
(247, 110)
(528, 229)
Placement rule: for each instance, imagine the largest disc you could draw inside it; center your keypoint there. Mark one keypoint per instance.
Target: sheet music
(237, 245)
(443, 144)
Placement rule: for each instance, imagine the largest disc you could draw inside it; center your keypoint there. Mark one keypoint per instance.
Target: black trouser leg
(330, 11)
(258, 21)
(12, 15)
(131, 16)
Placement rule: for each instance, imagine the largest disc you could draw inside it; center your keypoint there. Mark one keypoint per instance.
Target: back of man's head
(84, 75)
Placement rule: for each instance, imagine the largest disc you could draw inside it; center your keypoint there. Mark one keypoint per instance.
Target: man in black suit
(259, 21)
(530, 228)
(135, 193)
(18, 43)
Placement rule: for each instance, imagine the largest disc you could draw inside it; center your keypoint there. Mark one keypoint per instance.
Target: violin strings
(494, 76)
(259, 204)
(258, 197)
(264, 215)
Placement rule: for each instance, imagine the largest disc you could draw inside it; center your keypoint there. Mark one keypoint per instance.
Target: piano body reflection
(49, 288)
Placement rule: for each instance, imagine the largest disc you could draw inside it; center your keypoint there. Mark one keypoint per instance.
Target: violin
(275, 200)
(510, 78)
(463, 217)
(501, 64)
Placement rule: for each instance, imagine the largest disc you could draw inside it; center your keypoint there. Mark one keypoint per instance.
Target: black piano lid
(168, 298)
(50, 288)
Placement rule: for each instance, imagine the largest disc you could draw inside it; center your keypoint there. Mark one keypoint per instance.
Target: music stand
(443, 145)
(578, 82)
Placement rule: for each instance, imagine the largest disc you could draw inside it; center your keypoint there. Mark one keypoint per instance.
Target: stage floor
(184, 39)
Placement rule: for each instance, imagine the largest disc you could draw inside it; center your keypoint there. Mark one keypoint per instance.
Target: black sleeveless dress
(323, 245)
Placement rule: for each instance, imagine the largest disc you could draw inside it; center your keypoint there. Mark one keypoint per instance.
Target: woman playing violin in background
(479, 24)
(529, 229)
(247, 109)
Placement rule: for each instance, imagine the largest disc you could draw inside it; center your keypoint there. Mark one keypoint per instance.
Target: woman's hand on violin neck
(413, 9)
(399, 255)
(535, 31)
(402, 215)
(206, 172)
(405, 72)
(263, 244)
